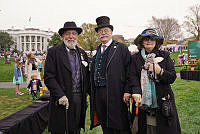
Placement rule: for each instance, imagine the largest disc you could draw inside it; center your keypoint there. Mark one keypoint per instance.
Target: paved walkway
(11, 85)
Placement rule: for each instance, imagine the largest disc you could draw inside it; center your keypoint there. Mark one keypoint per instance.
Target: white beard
(69, 44)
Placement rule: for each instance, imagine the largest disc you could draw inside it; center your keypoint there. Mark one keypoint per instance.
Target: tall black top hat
(69, 26)
(103, 21)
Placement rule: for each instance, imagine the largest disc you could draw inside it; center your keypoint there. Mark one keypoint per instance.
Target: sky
(128, 17)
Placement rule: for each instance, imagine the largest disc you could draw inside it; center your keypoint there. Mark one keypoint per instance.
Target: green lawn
(11, 103)
(186, 95)
(188, 104)
(6, 70)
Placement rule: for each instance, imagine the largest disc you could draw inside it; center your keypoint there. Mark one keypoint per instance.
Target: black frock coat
(165, 125)
(58, 79)
(117, 81)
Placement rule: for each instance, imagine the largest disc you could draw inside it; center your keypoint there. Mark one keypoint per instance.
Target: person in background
(151, 73)
(18, 78)
(34, 87)
(31, 67)
(109, 71)
(66, 75)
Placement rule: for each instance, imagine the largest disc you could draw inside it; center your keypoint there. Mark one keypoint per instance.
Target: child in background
(34, 87)
(18, 78)
(40, 66)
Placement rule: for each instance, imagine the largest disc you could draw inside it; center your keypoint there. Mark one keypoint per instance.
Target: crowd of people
(111, 78)
(30, 67)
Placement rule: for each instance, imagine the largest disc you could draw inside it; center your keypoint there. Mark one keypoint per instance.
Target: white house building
(30, 39)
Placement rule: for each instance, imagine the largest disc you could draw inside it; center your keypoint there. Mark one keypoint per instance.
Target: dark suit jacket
(116, 84)
(58, 79)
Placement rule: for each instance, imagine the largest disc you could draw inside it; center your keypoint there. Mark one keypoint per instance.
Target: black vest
(100, 67)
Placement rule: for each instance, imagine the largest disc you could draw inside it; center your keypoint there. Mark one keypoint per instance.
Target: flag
(29, 19)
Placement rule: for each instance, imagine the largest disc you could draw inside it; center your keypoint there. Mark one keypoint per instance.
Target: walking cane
(134, 128)
(67, 129)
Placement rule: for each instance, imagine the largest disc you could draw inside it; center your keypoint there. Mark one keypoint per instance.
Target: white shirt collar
(108, 43)
(68, 48)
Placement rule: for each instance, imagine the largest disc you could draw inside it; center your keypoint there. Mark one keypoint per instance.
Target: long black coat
(162, 89)
(116, 84)
(58, 79)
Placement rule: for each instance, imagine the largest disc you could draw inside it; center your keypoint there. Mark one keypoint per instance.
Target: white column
(41, 45)
(40, 42)
(25, 43)
(36, 40)
(20, 43)
(30, 47)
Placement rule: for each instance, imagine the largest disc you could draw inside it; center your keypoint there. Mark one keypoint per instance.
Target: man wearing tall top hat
(109, 71)
(66, 75)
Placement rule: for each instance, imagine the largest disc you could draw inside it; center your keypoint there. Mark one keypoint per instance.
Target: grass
(188, 105)
(186, 97)
(6, 70)
(11, 103)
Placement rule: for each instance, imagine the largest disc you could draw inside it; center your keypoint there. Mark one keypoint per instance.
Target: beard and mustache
(70, 43)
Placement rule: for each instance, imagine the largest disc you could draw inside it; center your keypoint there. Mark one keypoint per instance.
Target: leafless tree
(167, 27)
(192, 21)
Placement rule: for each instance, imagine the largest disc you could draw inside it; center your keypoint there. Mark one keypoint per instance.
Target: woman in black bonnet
(151, 73)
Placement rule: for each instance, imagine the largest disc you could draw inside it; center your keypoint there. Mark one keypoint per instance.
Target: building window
(48, 39)
(22, 46)
(42, 47)
(27, 39)
(38, 38)
(32, 38)
(42, 39)
(22, 38)
(33, 47)
(27, 47)
(38, 47)
(15, 46)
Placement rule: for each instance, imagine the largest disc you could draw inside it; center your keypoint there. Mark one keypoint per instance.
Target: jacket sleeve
(134, 77)
(169, 73)
(50, 75)
(126, 62)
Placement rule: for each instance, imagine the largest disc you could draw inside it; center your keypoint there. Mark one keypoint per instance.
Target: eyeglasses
(103, 31)
(148, 39)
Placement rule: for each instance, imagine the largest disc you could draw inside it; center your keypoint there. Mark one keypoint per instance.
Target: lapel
(65, 57)
(112, 52)
(80, 55)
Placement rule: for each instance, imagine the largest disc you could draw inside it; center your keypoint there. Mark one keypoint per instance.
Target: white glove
(157, 68)
(64, 101)
(137, 98)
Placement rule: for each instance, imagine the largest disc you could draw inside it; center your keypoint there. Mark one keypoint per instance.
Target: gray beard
(70, 45)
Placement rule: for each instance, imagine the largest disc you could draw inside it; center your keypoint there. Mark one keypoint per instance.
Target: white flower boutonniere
(84, 63)
(82, 57)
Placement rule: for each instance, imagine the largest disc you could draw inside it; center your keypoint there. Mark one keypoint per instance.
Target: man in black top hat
(66, 75)
(109, 71)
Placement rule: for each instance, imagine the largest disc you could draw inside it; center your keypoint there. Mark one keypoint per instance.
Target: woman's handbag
(166, 106)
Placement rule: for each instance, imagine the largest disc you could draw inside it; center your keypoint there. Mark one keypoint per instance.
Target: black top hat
(103, 21)
(69, 26)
